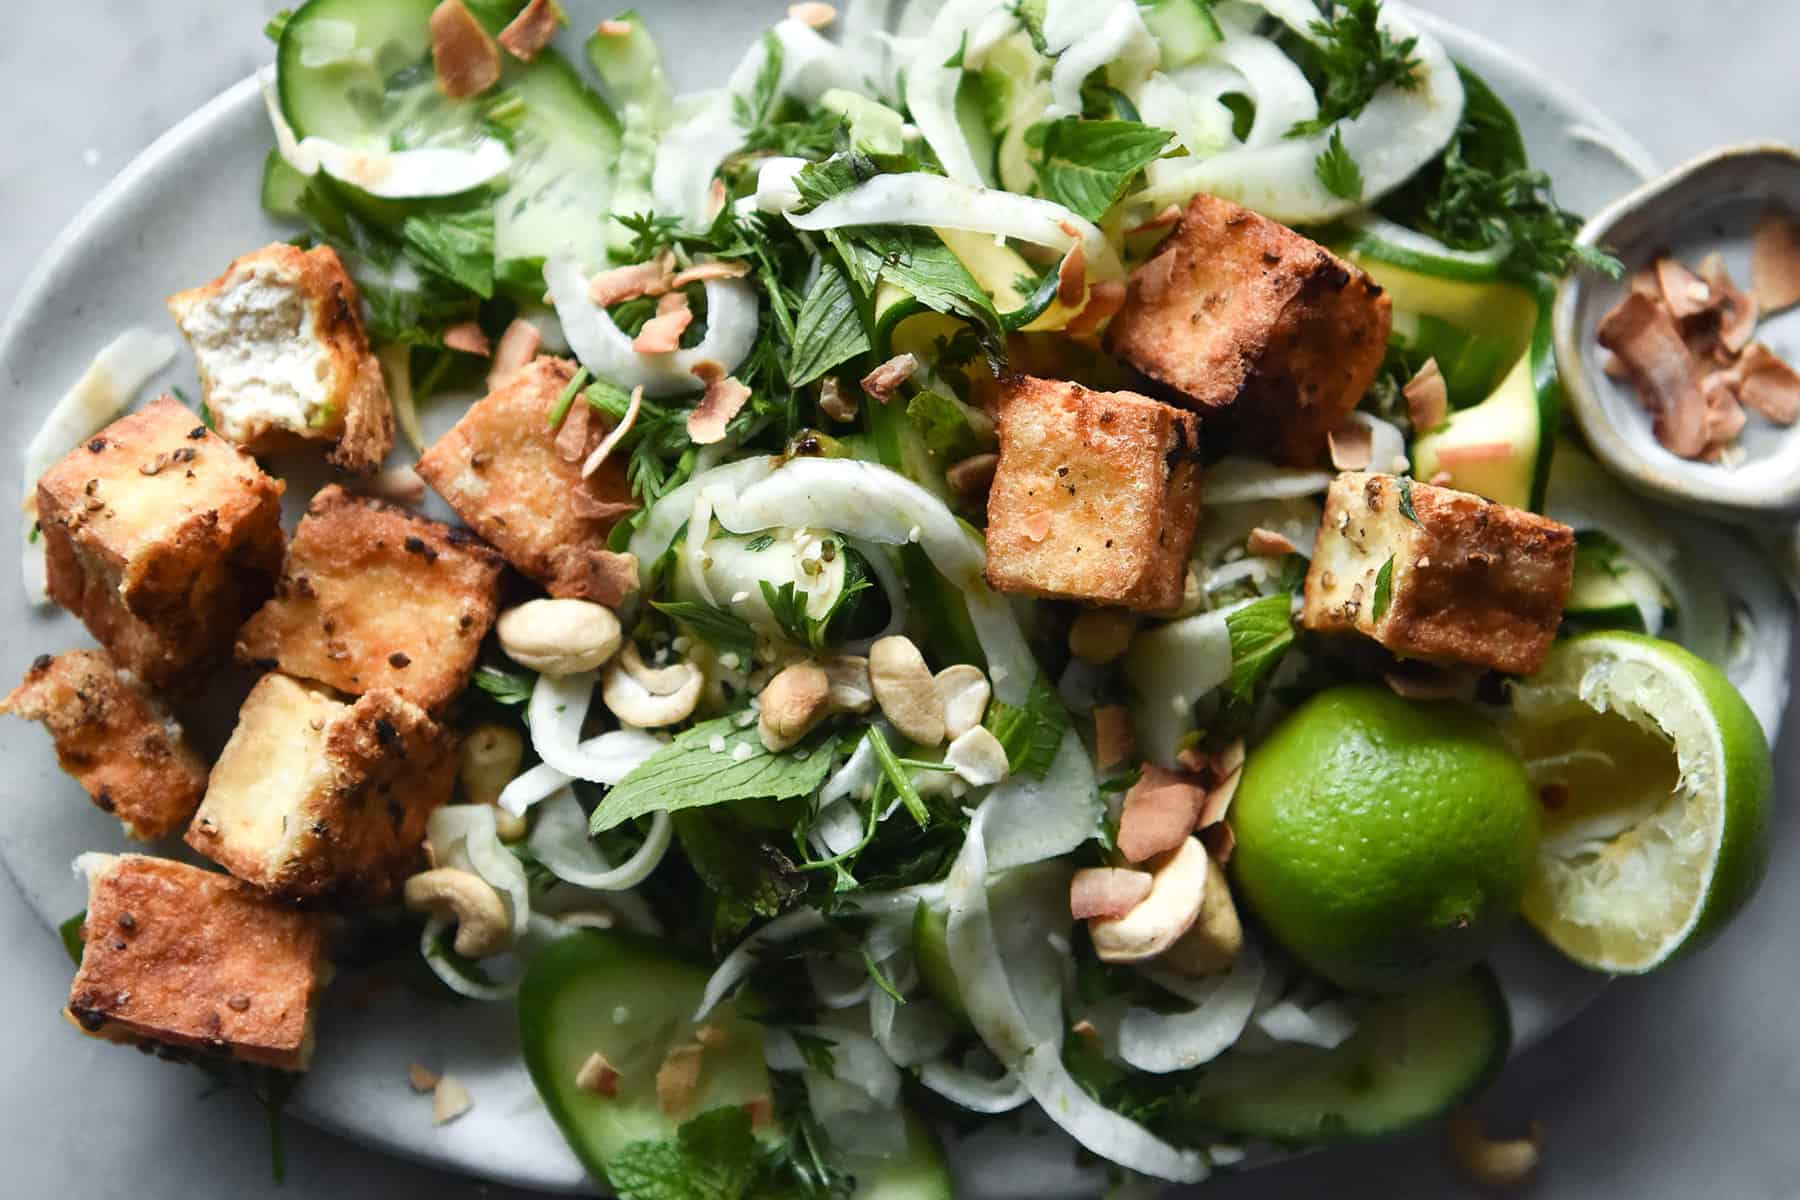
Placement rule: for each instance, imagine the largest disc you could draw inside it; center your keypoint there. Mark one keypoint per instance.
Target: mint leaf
(1261, 633)
(712, 1157)
(944, 426)
(918, 260)
(1031, 733)
(829, 330)
(1087, 164)
(1384, 589)
(1337, 170)
(690, 773)
(506, 687)
(724, 631)
(455, 243)
(735, 863)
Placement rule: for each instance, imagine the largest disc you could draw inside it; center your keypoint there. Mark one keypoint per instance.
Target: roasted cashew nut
(558, 636)
(491, 755)
(793, 703)
(905, 690)
(483, 926)
(1177, 893)
(650, 697)
(1496, 1164)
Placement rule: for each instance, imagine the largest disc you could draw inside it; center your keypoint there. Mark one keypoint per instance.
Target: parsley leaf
(1261, 633)
(725, 631)
(756, 108)
(829, 330)
(506, 687)
(455, 242)
(1031, 733)
(787, 604)
(1384, 589)
(1353, 58)
(1406, 504)
(1337, 170)
(712, 1157)
(1086, 165)
(689, 773)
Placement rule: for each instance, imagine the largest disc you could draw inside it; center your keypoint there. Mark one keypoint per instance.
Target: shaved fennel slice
(916, 198)
(1086, 35)
(1179, 1041)
(858, 1104)
(1237, 480)
(1171, 667)
(1281, 91)
(558, 706)
(735, 967)
(973, 1091)
(1034, 820)
(603, 348)
(931, 88)
(913, 1033)
(1326, 1025)
(429, 171)
(657, 532)
(1397, 133)
(1191, 108)
(453, 974)
(464, 836)
(560, 841)
(114, 378)
(1387, 445)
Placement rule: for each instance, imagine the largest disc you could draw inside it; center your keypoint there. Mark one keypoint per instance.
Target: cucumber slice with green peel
(1413, 1058)
(874, 127)
(1609, 590)
(1504, 312)
(931, 954)
(1012, 76)
(282, 187)
(1184, 30)
(1472, 364)
(630, 1000)
(629, 63)
(972, 105)
(917, 1173)
(559, 192)
(1023, 300)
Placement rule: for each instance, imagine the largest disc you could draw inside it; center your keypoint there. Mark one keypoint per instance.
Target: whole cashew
(650, 697)
(490, 758)
(795, 701)
(905, 690)
(558, 637)
(1496, 1164)
(482, 924)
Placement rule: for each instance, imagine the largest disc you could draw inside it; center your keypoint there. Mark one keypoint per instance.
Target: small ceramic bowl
(1710, 204)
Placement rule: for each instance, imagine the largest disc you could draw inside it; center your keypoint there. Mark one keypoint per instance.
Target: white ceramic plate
(151, 232)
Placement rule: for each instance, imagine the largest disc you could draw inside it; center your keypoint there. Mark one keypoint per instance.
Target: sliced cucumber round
(1413, 1058)
(931, 954)
(916, 1173)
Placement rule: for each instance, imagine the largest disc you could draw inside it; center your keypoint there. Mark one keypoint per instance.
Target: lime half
(1655, 781)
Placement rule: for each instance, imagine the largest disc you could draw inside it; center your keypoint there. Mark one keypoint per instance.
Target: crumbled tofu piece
(502, 472)
(162, 538)
(450, 1099)
(1241, 314)
(313, 797)
(372, 595)
(1468, 581)
(115, 738)
(194, 960)
(283, 358)
(1095, 497)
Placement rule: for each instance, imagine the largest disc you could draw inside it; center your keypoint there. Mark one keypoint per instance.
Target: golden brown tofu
(1095, 497)
(314, 798)
(518, 484)
(279, 342)
(1238, 313)
(115, 738)
(162, 538)
(1461, 580)
(195, 961)
(372, 595)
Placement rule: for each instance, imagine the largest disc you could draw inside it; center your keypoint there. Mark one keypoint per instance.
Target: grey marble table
(1684, 1086)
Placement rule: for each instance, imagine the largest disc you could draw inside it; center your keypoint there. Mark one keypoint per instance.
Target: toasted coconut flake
(713, 269)
(1154, 278)
(592, 508)
(678, 1079)
(421, 1078)
(1646, 284)
(723, 397)
(467, 338)
(1104, 300)
(1352, 447)
(449, 1100)
(1475, 452)
(620, 284)
(881, 383)
(1724, 418)
(1766, 384)
(1614, 369)
(1159, 814)
(1218, 799)
(518, 346)
(1071, 277)
(661, 334)
(1684, 292)
(1736, 308)
(835, 402)
(1427, 398)
(1162, 220)
(616, 435)
(614, 29)
(1106, 892)
(813, 15)
(610, 578)
(1036, 526)
(1775, 261)
(597, 1076)
(1663, 370)
(1268, 543)
(465, 58)
(572, 438)
(1115, 744)
(973, 476)
(715, 199)
(1220, 841)
(528, 33)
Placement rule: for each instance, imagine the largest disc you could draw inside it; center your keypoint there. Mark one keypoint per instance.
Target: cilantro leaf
(689, 773)
(1032, 732)
(712, 1157)
(829, 330)
(1351, 59)
(1384, 589)
(787, 604)
(1261, 633)
(1086, 165)
(506, 687)
(1337, 170)
(724, 631)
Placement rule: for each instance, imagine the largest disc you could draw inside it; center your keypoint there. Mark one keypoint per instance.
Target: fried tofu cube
(1439, 575)
(279, 342)
(115, 738)
(190, 960)
(315, 798)
(517, 482)
(372, 595)
(162, 538)
(1238, 313)
(1095, 497)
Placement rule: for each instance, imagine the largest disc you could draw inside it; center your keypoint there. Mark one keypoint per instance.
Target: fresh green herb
(1598, 551)
(759, 543)
(560, 409)
(897, 776)
(1337, 170)
(1406, 503)
(649, 234)
(1087, 165)
(455, 240)
(725, 631)
(506, 687)
(1384, 589)
(737, 864)
(816, 1052)
(829, 330)
(1243, 113)
(787, 604)
(1351, 58)
(879, 978)
(944, 425)
(715, 1156)
(1261, 633)
(277, 25)
(70, 933)
(955, 61)
(757, 107)
(1293, 573)
(918, 260)
(691, 773)
(1031, 733)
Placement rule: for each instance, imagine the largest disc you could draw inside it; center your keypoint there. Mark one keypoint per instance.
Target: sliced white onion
(558, 706)
(1235, 480)
(973, 1091)
(1327, 1025)
(464, 836)
(603, 348)
(1085, 35)
(1171, 667)
(561, 842)
(1179, 1041)
(108, 386)
(735, 967)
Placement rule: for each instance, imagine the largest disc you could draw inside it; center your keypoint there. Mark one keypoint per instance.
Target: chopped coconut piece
(813, 14)
(465, 57)
(597, 1076)
(1427, 398)
(529, 32)
(1267, 543)
(1767, 384)
(1160, 811)
(1352, 447)
(518, 346)
(421, 1078)
(1735, 308)
(661, 334)
(1686, 294)
(467, 338)
(449, 1099)
(1775, 261)
(1071, 277)
(706, 272)
(724, 397)
(1643, 333)
(628, 283)
(885, 380)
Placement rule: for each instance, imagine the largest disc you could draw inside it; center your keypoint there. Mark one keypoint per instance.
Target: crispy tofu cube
(194, 961)
(316, 798)
(162, 538)
(372, 595)
(1238, 313)
(1095, 497)
(518, 484)
(1466, 580)
(283, 358)
(115, 738)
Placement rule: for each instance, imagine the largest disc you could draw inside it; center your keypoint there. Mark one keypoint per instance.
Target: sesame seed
(741, 751)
